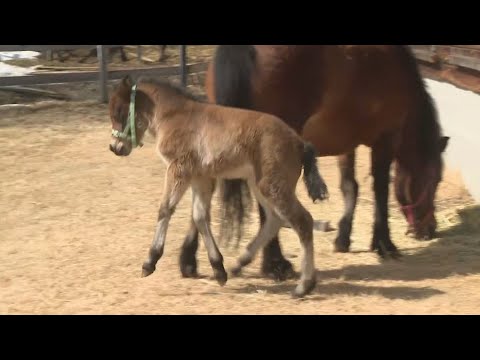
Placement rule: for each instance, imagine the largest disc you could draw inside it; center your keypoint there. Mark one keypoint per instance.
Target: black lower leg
(158, 244)
(188, 253)
(274, 263)
(154, 255)
(162, 55)
(220, 274)
(381, 241)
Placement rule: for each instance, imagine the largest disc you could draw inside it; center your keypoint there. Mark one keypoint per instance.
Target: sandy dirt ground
(77, 222)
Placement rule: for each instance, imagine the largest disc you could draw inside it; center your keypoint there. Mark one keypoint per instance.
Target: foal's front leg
(174, 189)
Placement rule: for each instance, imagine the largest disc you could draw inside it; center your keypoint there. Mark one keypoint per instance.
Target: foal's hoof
(278, 270)
(221, 277)
(341, 248)
(147, 270)
(236, 271)
(304, 288)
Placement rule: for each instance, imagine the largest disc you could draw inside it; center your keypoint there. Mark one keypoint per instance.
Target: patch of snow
(9, 55)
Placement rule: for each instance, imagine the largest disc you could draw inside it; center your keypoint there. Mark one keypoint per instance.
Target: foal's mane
(173, 88)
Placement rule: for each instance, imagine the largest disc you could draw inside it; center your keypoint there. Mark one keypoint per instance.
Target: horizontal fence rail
(40, 48)
(102, 75)
(85, 76)
(466, 56)
(461, 56)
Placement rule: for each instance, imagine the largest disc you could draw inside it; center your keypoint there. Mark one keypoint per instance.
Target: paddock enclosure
(77, 222)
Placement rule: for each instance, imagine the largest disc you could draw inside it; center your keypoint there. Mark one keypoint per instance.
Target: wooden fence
(102, 75)
(465, 56)
(437, 57)
(458, 65)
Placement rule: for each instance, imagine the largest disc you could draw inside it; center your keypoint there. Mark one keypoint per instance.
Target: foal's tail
(316, 186)
(233, 68)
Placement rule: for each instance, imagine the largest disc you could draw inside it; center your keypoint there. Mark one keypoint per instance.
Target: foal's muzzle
(119, 149)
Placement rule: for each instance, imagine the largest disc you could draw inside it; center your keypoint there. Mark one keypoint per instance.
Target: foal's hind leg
(349, 187)
(268, 229)
(174, 190)
(202, 197)
(302, 223)
(276, 212)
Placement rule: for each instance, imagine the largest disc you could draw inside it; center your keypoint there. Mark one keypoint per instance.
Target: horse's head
(128, 128)
(415, 190)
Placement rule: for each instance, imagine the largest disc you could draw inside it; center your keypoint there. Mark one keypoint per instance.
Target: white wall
(459, 112)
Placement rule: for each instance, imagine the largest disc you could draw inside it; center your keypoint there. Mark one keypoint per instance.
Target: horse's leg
(162, 55)
(123, 54)
(188, 253)
(382, 156)
(349, 187)
(274, 263)
(173, 192)
(202, 198)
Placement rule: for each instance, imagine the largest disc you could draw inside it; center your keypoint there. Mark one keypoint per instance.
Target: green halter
(130, 127)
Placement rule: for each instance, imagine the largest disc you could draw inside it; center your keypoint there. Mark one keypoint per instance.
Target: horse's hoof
(147, 270)
(279, 270)
(393, 254)
(341, 245)
(221, 277)
(303, 289)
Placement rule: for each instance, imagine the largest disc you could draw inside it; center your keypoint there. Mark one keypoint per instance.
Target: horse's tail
(233, 68)
(316, 186)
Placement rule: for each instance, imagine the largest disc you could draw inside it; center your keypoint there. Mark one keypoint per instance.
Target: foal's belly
(244, 171)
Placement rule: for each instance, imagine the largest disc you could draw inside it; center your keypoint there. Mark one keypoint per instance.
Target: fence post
(183, 64)
(102, 62)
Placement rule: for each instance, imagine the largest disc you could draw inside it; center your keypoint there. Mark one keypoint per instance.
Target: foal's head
(129, 122)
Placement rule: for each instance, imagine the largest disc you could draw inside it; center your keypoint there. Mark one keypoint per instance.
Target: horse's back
(336, 96)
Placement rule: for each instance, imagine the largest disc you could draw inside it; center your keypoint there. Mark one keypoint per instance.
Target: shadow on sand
(456, 251)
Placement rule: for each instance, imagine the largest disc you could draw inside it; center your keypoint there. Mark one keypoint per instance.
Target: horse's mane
(426, 122)
(172, 87)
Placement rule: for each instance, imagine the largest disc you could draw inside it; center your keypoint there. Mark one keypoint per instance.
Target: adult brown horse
(338, 97)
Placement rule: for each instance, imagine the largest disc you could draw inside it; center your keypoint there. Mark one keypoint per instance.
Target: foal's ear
(127, 81)
(443, 143)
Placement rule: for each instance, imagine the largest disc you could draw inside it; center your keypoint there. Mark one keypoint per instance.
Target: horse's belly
(330, 136)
